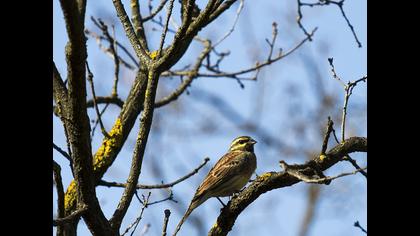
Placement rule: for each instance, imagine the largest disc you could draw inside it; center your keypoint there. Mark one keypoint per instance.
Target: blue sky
(276, 212)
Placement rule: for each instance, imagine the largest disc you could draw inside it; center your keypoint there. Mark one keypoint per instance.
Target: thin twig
(62, 152)
(156, 11)
(116, 64)
(90, 79)
(258, 65)
(107, 100)
(273, 40)
(357, 224)
(137, 221)
(97, 120)
(354, 163)
(165, 221)
(99, 38)
(156, 186)
(339, 4)
(238, 12)
(299, 20)
(113, 49)
(68, 219)
(191, 76)
(347, 157)
(170, 198)
(165, 29)
(327, 136)
(348, 88)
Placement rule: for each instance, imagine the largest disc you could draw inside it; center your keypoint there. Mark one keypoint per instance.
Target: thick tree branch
(78, 126)
(129, 31)
(275, 180)
(108, 151)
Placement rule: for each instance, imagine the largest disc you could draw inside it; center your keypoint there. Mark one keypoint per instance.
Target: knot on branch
(309, 172)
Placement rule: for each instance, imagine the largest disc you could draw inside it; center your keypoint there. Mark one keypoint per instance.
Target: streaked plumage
(229, 175)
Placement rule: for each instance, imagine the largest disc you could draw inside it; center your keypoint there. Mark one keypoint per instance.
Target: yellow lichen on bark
(108, 145)
(99, 161)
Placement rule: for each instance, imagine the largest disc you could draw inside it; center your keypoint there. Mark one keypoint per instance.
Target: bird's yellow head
(242, 143)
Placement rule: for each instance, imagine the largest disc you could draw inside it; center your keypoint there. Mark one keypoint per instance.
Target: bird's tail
(187, 213)
(197, 200)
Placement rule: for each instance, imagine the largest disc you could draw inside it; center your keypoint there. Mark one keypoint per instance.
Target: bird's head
(242, 143)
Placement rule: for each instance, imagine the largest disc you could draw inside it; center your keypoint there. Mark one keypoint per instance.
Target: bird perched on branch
(228, 176)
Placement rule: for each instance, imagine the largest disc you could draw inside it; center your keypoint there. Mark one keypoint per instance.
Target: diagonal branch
(129, 31)
(138, 23)
(138, 155)
(275, 180)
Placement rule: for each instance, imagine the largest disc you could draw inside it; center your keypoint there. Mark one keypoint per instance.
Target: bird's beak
(253, 141)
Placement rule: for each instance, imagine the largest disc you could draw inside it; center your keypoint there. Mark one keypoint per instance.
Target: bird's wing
(224, 170)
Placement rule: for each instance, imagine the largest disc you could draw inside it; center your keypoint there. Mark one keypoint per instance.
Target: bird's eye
(242, 141)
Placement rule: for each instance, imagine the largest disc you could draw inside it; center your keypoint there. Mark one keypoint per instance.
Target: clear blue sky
(278, 212)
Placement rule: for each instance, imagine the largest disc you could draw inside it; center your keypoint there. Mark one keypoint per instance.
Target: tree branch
(129, 31)
(156, 186)
(78, 127)
(138, 155)
(190, 77)
(275, 180)
(138, 23)
(165, 221)
(60, 194)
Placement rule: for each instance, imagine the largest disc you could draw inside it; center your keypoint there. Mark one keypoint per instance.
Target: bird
(228, 176)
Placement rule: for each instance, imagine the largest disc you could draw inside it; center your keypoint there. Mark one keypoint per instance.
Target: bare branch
(157, 186)
(97, 120)
(70, 218)
(90, 79)
(357, 224)
(165, 29)
(99, 38)
(156, 11)
(165, 221)
(129, 31)
(339, 4)
(190, 77)
(137, 221)
(327, 136)
(238, 12)
(107, 100)
(138, 23)
(67, 156)
(138, 155)
(259, 65)
(354, 163)
(60, 194)
(348, 88)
